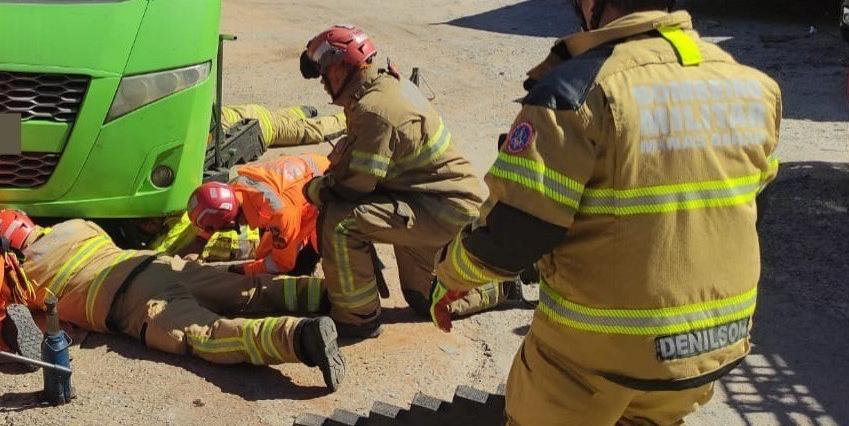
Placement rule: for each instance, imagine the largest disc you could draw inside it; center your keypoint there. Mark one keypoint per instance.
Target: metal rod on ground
(42, 364)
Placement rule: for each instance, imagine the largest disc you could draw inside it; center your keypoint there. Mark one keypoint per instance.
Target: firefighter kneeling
(629, 177)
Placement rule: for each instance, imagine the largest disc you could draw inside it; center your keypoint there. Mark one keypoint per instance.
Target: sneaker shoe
(317, 347)
(22, 334)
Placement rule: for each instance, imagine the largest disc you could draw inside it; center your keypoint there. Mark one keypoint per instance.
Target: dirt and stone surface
(473, 55)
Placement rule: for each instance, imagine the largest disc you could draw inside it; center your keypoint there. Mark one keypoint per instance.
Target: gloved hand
(311, 191)
(440, 298)
(238, 268)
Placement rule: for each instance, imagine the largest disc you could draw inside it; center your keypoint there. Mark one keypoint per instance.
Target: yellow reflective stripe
(229, 116)
(97, 284)
(249, 342)
(432, 149)
(354, 299)
(343, 265)
(290, 293)
(218, 345)
(464, 267)
(297, 112)
(537, 177)
(269, 325)
(670, 198)
(266, 124)
(313, 294)
(373, 164)
(72, 265)
(688, 50)
(180, 234)
(643, 322)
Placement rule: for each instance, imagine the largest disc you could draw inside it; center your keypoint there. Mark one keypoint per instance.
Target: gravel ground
(473, 55)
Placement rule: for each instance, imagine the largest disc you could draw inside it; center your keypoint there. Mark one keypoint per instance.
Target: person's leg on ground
(165, 316)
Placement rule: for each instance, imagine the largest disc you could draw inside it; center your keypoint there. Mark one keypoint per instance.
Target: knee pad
(418, 301)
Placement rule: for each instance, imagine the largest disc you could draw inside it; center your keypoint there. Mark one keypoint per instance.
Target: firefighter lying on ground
(630, 176)
(396, 179)
(289, 126)
(168, 304)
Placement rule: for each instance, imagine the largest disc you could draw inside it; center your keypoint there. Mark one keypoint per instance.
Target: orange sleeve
(282, 230)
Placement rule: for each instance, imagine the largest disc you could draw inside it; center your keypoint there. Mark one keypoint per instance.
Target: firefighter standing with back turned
(629, 177)
(395, 179)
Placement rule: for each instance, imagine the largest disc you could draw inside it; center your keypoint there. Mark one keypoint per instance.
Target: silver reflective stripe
(646, 321)
(609, 200)
(432, 149)
(535, 176)
(447, 212)
(271, 196)
(370, 163)
(270, 265)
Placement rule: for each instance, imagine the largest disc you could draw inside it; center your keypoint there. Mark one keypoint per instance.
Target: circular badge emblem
(520, 138)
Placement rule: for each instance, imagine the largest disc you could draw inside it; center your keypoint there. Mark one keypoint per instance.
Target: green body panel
(44, 136)
(104, 169)
(167, 38)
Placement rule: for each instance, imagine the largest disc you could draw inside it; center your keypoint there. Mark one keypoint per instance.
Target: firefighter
(171, 305)
(267, 196)
(290, 126)
(396, 179)
(630, 177)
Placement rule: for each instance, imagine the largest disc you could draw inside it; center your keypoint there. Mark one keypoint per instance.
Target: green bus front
(115, 99)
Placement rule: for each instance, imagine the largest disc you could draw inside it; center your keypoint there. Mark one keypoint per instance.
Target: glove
(238, 268)
(311, 191)
(440, 298)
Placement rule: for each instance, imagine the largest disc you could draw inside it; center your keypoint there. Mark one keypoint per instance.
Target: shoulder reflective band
(671, 198)
(269, 195)
(373, 164)
(646, 322)
(687, 49)
(538, 177)
(73, 264)
(435, 146)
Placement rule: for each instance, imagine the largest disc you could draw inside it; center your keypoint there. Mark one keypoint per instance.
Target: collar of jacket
(626, 26)
(356, 88)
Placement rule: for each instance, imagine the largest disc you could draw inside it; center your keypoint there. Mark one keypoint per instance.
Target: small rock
(450, 350)
(198, 403)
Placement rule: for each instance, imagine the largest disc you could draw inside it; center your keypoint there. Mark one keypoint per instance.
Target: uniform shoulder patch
(520, 137)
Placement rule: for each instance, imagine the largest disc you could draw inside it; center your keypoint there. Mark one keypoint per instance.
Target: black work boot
(368, 330)
(309, 110)
(22, 334)
(316, 346)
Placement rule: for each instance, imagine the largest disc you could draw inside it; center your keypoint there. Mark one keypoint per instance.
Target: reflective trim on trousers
(340, 252)
(94, 289)
(290, 293)
(269, 327)
(249, 341)
(645, 322)
(363, 296)
(74, 263)
(314, 294)
(539, 178)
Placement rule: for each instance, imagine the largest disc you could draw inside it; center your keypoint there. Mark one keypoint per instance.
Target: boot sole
(22, 334)
(332, 365)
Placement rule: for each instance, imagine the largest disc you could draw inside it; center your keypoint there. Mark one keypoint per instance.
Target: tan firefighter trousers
(286, 126)
(545, 389)
(183, 307)
(347, 231)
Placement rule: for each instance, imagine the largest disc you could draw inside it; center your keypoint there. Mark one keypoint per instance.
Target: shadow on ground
(251, 383)
(776, 37)
(536, 18)
(798, 371)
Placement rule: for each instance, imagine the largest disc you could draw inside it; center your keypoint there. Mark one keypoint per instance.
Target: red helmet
(15, 227)
(213, 206)
(338, 44)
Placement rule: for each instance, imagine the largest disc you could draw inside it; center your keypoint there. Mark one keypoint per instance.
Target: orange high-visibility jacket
(272, 199)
